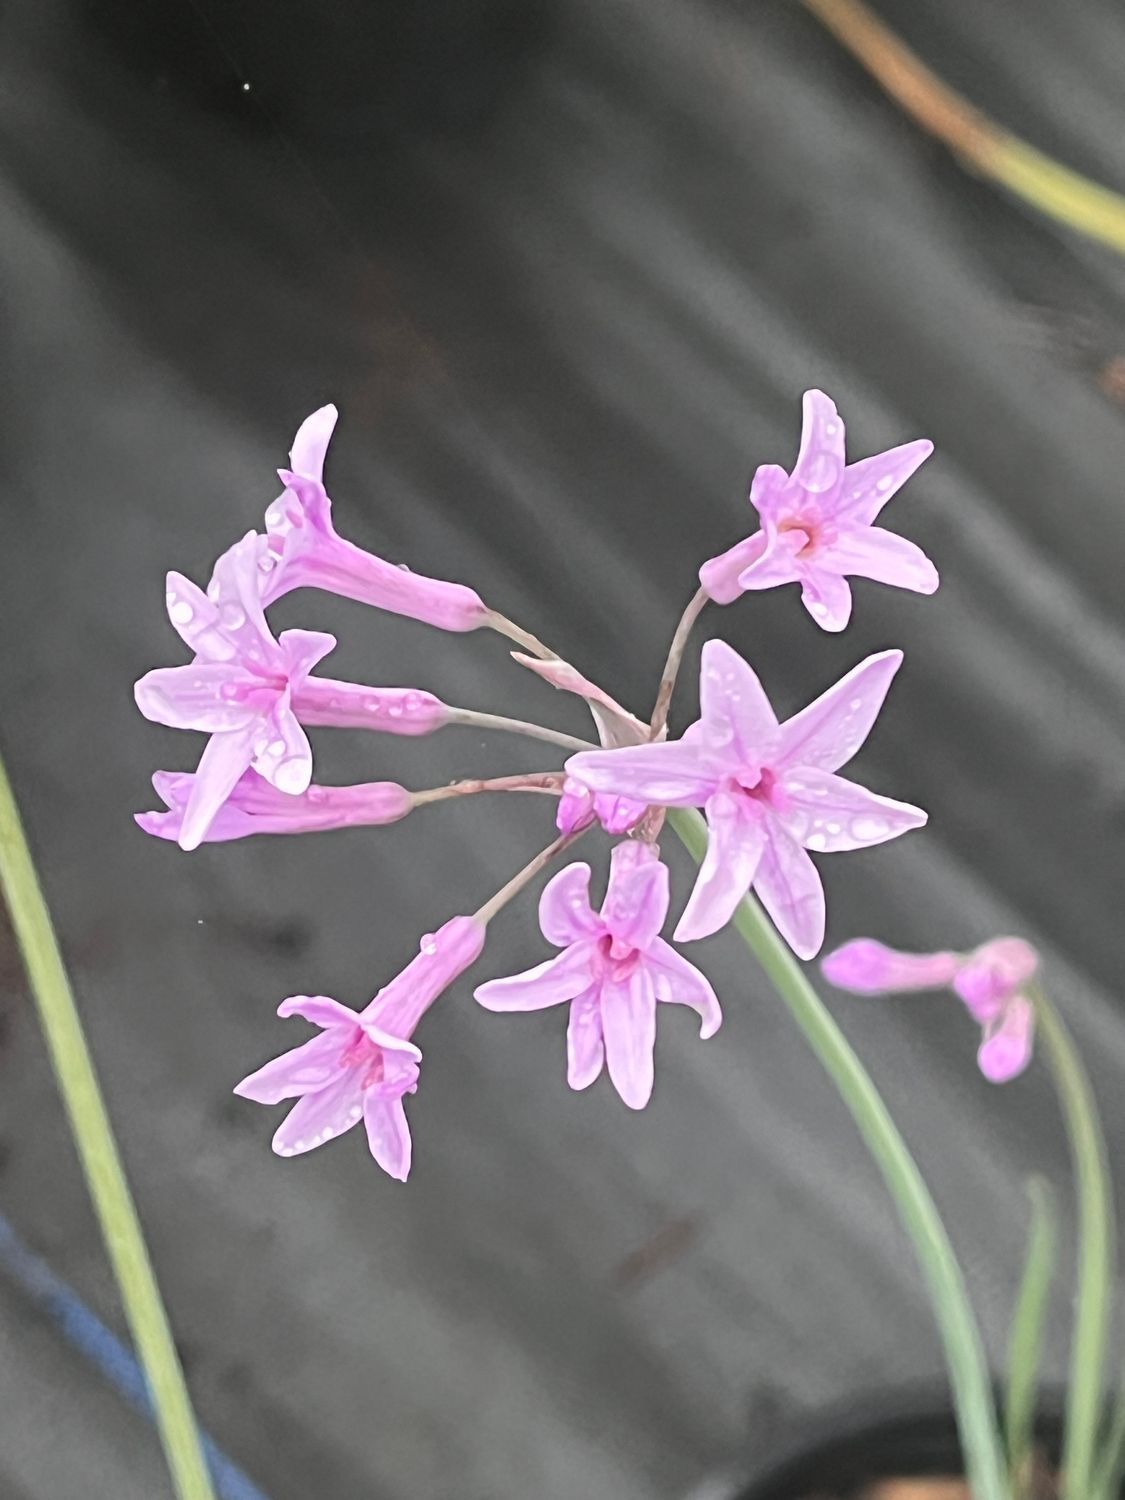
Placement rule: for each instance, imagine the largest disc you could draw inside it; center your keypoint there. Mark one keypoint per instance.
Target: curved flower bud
(990, 982)
(363, 1063)
(818, 524)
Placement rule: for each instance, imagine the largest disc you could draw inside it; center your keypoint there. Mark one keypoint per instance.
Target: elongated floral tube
(347, 705)
(256, 807)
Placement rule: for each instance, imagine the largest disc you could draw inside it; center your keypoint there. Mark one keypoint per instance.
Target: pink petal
(720, 575)
(311, 443)
(820, 462)
(776, 563)
(320, 1117)
(679, 982)
(577, 807)
(871, 482)
(565, 913)
(771, 491)
(618, 814)
(833, 727)
(629, 1028)
(990, 976)
(321, 1010)
(388, 1135)
(405, 1052)
(192, 697)
(585, 1048)
(284, 758)
(441, 957)
(225, 757)
(303, 649)
(738, 722)
(675, 775)
(196, 620)
(828, 813)
(1006, 1049)
(882, 556)
(616, 725)
(636, 900)
(789, 887)
(561, 978)
(303, 1070)
(870, 968)
(235, 590)
(734, 849)
(827, 598)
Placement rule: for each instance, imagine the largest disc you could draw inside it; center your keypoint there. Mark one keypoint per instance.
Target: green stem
(1111, 1465)
(97, 1151)
(1026, 1339)
(964, 1352)
(1094, 1196)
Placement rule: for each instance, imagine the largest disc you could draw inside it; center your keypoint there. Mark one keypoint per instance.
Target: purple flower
(818, 524)
(990, 981)
(254, 806)
(363, 1062)
(302, 550)
(613, 969)
(768, 789)
(239, 688)
(578, 806)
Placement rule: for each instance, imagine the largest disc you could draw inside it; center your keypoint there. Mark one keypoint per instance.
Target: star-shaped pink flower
(239, 688)
(818, 524)
(613, 969)
(991, 981)
(769, 790)
(301, 548)
(363, 1062)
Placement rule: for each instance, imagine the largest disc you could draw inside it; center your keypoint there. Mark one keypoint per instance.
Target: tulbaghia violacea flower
(239, 688)
(613, 969)
(363, 1062)
(301, 548)
(578, 805)
(769, 790)
(818, 524)
(991, 981)
(254, 806)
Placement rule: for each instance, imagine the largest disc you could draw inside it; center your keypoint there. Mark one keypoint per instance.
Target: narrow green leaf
(97, 1151)
(1026, 1339)
(964, 1351)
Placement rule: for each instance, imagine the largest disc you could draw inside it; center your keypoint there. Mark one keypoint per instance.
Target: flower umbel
(818, 524)
(991, 981)
(363, 1062)
(769, 790)
(613, 969)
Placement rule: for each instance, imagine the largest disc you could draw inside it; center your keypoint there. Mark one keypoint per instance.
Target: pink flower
(769, 791)
(613, 969)
(239, 688)
(302, 550)
(363, 1062)
(990, 981)
(818, 524)
(254, 806)
(578, 806)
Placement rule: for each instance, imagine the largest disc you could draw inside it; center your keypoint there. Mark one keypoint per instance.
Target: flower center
(618, 956)
(816, 533)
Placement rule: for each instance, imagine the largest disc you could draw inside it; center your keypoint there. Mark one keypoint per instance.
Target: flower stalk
(99, 1156)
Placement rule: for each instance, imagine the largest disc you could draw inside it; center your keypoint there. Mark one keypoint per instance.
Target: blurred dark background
(566, 268)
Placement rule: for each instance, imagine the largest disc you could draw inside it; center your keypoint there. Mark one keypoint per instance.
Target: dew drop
(180, 611)
(884, 482)
(868, 828)
(232, 616)
(373, 706)
(816, 841)
(818, 607)
(855, 705)
(290, 776)
(395, 710)
(429, 944)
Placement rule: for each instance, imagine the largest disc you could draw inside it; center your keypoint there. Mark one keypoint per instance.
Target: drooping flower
(578, 806)
(363, 1062)
(301, 548)
(254, 806)
(613, 969)
(818, 524)
(991, 981)
(239, 688)
(769, 790)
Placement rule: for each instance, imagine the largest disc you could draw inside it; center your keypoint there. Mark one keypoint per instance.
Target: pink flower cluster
(770, 789)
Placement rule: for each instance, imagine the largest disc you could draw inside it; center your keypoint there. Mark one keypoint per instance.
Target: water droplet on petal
(429, 944)
(818, 607)
(290, 776)
(816, 841)
(821, 472)
(868, 828)
(232, 616)
(884, 482)
(180, 611)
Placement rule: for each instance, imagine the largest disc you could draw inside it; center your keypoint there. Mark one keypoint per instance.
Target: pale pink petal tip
(1007, 1046)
